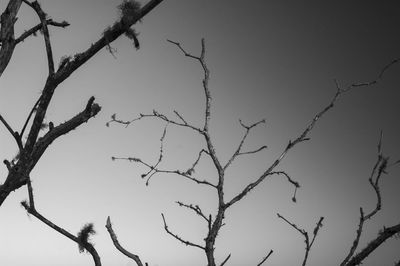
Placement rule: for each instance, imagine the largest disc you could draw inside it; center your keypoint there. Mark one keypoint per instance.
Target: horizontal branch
(154, 170)
(157, 115)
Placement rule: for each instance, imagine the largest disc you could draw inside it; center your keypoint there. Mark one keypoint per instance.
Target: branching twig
(251, 186)
(35, 29)
(42, 16)
(379, 168)
(305, 234)
(238, 149)
(196, 209)
(191, 169)
(91, 110)
(155, 114)
(187, 243)
(118, 246)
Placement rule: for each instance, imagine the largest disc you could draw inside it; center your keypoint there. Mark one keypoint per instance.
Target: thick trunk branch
(7, 39)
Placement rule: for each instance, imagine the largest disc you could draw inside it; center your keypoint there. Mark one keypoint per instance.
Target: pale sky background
(268, 59)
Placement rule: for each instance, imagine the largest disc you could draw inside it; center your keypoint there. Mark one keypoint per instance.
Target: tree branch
(7, 20)
(305, 234)
(118, 246)
(366, 251)
(265, 258)
(225, 260)
(91, 110)
(379, 168)
(204, 132)
(110, 35)
(187, 243)
(238, 149)
(15, 134)
(155, 114)
(35, 29)
(196, 209)
(30, 208)
(252, 185)
(42, 16)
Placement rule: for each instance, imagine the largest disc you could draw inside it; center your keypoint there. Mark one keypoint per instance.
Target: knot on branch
(92, 108)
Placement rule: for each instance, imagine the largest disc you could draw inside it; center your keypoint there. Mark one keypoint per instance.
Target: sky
(272, 60)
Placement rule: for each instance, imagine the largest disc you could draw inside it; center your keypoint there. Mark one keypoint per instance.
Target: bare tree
(31, 150)
(215, 221)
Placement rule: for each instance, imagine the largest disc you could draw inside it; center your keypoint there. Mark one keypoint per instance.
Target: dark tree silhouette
(31, 150)
(215, 221)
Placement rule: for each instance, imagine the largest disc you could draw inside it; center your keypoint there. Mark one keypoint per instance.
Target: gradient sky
(268, 59)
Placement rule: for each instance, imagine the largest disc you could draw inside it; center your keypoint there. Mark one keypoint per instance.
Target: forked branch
(305, 235)
(187, 243)
(380, 167)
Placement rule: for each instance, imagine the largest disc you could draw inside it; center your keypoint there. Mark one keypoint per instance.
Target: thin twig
(195, 208)
(225, 260)
(187, 243)
(15, 134)
(265, 258)
(238, 149)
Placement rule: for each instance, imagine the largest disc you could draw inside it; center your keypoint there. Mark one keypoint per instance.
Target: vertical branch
(42, 16)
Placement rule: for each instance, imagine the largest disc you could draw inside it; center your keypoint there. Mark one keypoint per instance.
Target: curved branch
(118, 246)
(366, 251)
